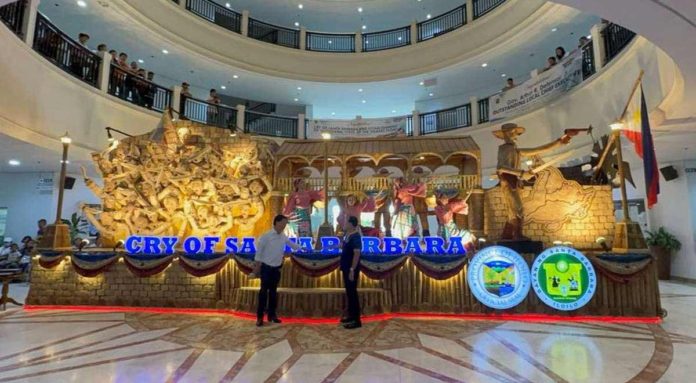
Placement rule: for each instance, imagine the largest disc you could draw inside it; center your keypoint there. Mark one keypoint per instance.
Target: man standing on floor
(350, 268)
(269, 260)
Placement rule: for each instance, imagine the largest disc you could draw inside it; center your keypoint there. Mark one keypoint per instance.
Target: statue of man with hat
(510, 174)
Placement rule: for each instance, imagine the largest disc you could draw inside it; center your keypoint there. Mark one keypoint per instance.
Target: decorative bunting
(147, 265)
(315, 264)
(93, 263)
(621, 268)
(381, 266)
(201, 265)
(51, 259)
(439, 266)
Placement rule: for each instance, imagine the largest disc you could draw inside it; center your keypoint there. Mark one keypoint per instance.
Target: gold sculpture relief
(181, 180)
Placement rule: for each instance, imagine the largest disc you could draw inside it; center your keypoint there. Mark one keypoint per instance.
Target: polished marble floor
(70, 346)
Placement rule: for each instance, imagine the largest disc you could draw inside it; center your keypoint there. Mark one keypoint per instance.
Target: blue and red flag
(637, 130)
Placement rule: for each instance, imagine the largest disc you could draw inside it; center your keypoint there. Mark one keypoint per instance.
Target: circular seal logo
(499, 277)
(563, 278)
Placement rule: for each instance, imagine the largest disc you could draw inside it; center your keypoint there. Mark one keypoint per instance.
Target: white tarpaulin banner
(361, 127)
(538, 90)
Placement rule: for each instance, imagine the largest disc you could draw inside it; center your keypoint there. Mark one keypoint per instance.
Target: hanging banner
(538, 90)
(361, 127)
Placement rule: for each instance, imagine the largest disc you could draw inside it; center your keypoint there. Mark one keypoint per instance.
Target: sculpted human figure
(353, 206)
(405, 223)
(444, 211)
(511, 175)
(299, 209)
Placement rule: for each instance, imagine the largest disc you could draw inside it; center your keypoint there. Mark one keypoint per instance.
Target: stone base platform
(313, 302)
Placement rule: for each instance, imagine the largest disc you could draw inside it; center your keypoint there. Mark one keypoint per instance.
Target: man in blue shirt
(350, 268)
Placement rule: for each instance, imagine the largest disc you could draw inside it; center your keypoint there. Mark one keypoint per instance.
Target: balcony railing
(616, 38)
(64, 52)
(216, 14)
(447, 119)
(12, 15)
(442, 24)
(378, 41)
(137, 90)
(481, 7)
(483, 111)
(336, 184)
(206, 113)
(270, 125)
(274, 34)
(330, 42)
(588, 65)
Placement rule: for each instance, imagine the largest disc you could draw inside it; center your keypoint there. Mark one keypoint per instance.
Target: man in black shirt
(350, 268)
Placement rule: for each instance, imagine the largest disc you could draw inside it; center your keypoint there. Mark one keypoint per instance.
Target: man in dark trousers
(350, 268)
(270, 250)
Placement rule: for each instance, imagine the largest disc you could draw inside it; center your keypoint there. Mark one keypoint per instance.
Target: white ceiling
(342, 15)
(34, 158)
(328, 100)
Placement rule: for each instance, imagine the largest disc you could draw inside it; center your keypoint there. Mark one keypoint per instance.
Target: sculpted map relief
(182, 180)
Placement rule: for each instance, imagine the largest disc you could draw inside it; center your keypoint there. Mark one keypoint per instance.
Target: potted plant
(662, 245)
(77, 225)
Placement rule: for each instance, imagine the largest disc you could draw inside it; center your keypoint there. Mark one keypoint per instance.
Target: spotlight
(601, 241)
(618, 125)
(82, 244)
(568, 244)
(118, 244)
(14, 162)
(109, 137)
(557, 243)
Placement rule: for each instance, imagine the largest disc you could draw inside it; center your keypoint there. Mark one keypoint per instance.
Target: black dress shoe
(345, 320)
(275, 320)
(259, 322)
(352, 325)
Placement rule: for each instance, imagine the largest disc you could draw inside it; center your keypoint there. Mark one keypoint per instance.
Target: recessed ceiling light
(330, 42)
(589, 37)
(360, 90)
(297, 99)
(363, 101)
(227, 5)
(503, 75)
(299, 88)
(393, 111)
(428, 16)
(364, 27)
(235, 76)
(297, 23)
(484, 65)
(554, 29)
(399, 38)
(166, 52)
(431, 94)
(333, 113)
(14, 162)
(223, 87)
(360, 9)
(300, 6)
(141, 61)
(421, 83)
(66, 162)
(81, 3)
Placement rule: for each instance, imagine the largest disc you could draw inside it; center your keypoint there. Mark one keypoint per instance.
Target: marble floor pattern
(78, 346)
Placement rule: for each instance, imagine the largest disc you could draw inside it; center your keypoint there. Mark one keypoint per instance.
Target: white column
(358, 41)
(469, 11)
(104, 71)
(182, 4)
(301, 126)
(416, 124)
(176, 100)
(29, 21)
(303, 38)
(245, 23)
(240, 117)
(474, 107)
(598, 46)
(414, 32)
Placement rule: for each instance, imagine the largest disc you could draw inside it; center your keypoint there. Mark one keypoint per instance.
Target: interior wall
(28, 199)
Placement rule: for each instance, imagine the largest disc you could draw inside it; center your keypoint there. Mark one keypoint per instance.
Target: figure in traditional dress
(352, 206)
(444, 211)
(405, 222)
(382, 213)
(299, 209)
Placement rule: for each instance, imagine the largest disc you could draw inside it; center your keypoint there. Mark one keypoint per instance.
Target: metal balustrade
(206, 113)
(442, 24)
(216, 14)
(588, 64)
(336, 184)
(330, 42)
(447, 119)
(483, 115)
(64, 52)
(13, 15)
(274, 34)
(270, 125)
(137, 90)
(378, 41)
(409, 126)
(481, 7)
(616, 38)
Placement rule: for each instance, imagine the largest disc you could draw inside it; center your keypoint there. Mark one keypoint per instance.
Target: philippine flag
(637, 130)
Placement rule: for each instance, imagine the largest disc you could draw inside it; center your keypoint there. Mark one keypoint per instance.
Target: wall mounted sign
(499, 277)
(563, 278)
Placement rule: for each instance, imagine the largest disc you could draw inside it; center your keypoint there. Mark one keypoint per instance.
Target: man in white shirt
(270, 250)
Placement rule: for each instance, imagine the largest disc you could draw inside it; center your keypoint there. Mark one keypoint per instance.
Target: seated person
(12, 259)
